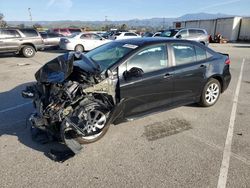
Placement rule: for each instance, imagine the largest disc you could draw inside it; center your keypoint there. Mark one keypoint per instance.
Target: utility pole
(106, 22)
(29, 10)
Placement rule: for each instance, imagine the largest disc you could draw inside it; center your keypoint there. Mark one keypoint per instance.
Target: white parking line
(14, 107)
(227, 148)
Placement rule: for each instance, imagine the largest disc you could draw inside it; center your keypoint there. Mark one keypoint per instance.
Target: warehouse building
(231, 28)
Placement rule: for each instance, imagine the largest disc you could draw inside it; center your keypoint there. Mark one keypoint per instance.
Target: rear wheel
(28, 51)
(79, 48)
(211, 93)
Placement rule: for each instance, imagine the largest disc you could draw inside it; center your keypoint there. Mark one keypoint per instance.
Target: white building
(231, 28)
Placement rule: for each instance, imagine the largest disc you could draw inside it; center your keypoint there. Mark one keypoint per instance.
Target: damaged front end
(73, 100)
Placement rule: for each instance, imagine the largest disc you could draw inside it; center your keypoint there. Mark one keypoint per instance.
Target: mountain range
(134, 23)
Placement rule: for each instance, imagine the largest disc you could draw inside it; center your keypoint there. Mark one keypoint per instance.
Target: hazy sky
(116, 9)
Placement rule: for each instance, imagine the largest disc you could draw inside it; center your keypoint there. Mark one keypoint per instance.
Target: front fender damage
(63, 86)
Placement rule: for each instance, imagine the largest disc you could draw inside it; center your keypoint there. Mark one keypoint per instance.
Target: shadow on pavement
(242, 46)
(14, 122)
(54, 50)
(4, 55)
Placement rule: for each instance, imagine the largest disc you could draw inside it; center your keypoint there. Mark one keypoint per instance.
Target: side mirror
(133, 72)
(178, 36)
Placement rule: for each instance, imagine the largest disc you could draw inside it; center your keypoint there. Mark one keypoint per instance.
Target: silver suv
(195, 34)
(21, 41)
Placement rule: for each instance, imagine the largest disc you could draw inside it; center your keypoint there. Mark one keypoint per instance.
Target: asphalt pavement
(188, 146)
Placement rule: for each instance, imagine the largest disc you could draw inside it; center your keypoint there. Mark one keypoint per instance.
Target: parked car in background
(21, 41)
(111, 33)
(147, 34)
(82, 42)
(65, 31)
(51, 39)
(157, 34)
(78, 96)
(125, 35)
(195, 34)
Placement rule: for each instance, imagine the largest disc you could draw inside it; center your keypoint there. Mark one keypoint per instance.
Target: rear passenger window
(183, 54)
(183, 33)
(200, 32)
(29, 32)
(201, 54)
(9, 34)
(150, 59)
(192, 32)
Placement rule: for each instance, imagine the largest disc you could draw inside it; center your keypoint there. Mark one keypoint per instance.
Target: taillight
(227, 62)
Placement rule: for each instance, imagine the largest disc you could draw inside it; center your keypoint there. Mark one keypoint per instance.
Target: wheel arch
(220, 79)
(79, 45)
(27, 44)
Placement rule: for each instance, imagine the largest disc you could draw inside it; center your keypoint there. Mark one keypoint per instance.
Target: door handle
(168, 75)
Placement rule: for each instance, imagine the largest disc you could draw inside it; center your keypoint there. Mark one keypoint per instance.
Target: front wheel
(211, 93)
(92, 120)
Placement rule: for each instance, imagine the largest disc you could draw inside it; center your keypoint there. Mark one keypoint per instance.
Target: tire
(91, 110)
(79, 48)
(28, 51)
(211, 93)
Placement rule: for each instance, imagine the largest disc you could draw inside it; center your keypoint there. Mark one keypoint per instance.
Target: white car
(125, 35)
(82, 42)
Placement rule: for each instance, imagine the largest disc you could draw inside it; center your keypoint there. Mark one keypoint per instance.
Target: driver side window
(149, 59)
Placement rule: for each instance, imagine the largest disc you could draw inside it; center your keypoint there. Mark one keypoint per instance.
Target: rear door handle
(168, 75)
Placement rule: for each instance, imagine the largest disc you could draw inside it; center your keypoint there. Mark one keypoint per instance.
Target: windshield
(110, 53)
(169, 33)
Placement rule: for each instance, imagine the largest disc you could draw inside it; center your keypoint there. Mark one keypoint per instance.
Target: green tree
(123, 27)
(2, 22)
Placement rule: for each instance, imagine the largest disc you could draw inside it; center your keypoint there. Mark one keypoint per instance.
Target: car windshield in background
(110, 53)
(169, 33)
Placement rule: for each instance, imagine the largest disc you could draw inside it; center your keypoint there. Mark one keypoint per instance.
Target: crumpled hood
(60, 68)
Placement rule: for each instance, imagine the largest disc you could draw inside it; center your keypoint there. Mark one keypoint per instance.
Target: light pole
(29, 10)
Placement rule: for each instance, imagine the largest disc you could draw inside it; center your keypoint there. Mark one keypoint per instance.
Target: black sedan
(80, 95)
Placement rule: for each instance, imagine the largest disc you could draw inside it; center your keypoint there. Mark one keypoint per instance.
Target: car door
(87, 41)
(97, 40)
(183, 34)
(11, 40)
(146, 80)
(189, 71)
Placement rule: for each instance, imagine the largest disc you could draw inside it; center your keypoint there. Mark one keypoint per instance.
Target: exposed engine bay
(73, 100)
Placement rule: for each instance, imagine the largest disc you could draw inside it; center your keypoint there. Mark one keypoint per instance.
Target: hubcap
(29, 51)
(79, 49)
(212, 93)
(95, 122)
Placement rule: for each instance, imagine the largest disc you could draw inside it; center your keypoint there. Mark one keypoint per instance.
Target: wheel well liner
(217, 77)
